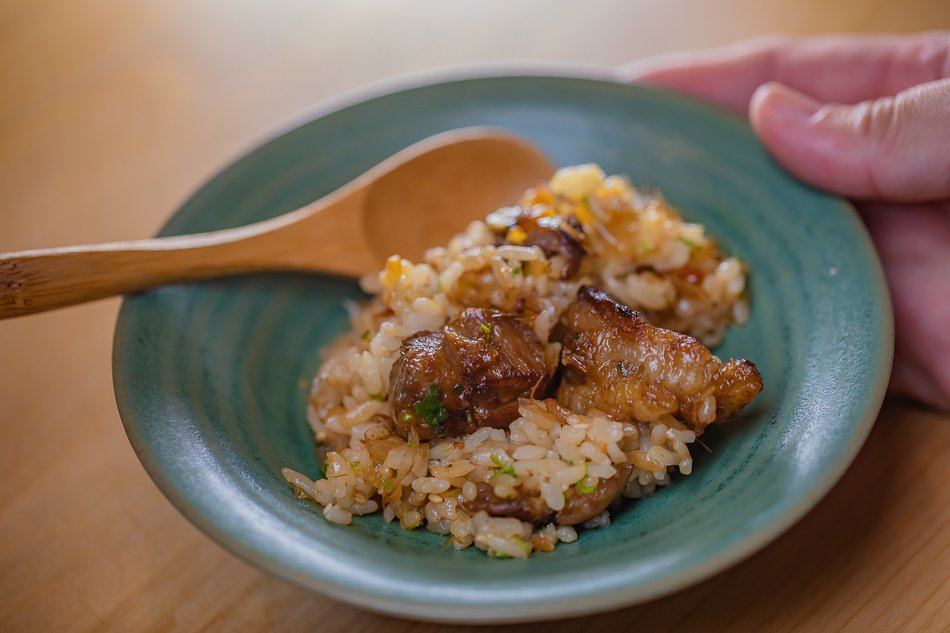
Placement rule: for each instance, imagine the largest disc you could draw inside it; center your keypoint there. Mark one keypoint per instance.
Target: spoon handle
(45, 279)
(40, 280)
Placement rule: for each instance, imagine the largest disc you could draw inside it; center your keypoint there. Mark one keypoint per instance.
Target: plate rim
(538, 610)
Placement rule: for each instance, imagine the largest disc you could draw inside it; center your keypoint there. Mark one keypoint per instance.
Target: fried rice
(638, 248)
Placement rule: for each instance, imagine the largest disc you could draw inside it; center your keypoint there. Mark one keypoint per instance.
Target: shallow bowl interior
(209, 376)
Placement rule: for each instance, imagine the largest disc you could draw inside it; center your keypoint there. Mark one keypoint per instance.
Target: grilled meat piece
(557, 235)
(529, 508)
(582, 506)
(620, 364)
(468, 375)
(578, 506)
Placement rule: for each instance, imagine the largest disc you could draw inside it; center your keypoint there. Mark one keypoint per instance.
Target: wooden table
(111, 112)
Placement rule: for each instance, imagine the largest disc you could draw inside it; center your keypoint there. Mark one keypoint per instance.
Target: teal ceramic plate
(207, 376)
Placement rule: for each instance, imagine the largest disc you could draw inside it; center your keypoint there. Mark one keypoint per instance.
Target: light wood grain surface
(111, 112)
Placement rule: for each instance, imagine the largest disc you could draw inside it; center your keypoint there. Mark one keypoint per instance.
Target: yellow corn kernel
(391, 272)
(516, 235)
(582, 212)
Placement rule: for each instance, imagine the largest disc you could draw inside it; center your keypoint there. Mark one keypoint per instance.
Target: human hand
(867, 118)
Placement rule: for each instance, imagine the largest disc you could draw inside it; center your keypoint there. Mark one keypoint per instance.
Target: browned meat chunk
(738, 383)
(578, 506)
(467, 376)
(581, 506)
(620, 364)
(555, 236)
(530, 508)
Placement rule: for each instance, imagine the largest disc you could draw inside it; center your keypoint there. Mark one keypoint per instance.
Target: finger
(914, 245)
(844, 69)
(895, 148)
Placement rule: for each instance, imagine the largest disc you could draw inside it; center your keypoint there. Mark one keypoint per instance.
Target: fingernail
(782, 103)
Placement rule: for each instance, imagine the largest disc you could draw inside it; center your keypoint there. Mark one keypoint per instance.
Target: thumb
(894, 148)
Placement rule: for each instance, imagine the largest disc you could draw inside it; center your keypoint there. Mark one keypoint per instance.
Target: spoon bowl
(417, 197)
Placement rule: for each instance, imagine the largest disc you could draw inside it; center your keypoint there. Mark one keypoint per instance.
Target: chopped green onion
(378, 397)
(387, 484)
(500, 555)
(693, 245)
(323, 469)
(622, 368)
(355, 463)
(406, 416)
(488, 330)
(430, 408)
(646, 247)
(505, 468)
(516, 271)
(585, 488)
(366, 334)
(457, 389)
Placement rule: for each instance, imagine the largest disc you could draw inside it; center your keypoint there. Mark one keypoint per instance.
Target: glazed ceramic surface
(209, 376)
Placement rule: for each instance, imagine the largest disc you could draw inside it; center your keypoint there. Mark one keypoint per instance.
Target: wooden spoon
(413, 200)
